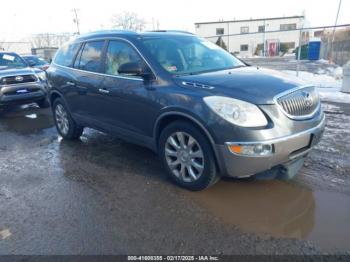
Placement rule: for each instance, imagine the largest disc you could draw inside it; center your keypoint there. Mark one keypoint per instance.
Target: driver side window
(119, 53)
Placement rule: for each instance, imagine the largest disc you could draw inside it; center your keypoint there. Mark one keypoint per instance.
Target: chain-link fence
(338, 50)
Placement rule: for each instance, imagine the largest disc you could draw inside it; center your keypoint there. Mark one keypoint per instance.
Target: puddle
(282, 210)
(26, 119)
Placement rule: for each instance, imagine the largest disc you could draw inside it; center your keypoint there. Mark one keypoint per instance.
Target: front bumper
(31, 92)
(287, 149)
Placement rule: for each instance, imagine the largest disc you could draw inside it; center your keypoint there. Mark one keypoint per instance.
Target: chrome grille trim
(299, 103)
(12, 80)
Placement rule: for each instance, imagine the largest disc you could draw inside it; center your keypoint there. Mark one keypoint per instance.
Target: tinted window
(66, 54)
(35, 60)
(11, 60)
(90, 59)
(119, 53)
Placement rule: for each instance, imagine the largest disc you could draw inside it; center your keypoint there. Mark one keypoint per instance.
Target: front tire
(187, 156)
(65, 124)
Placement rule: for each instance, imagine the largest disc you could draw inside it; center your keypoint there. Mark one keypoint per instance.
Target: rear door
(89, 81)
(62, 79)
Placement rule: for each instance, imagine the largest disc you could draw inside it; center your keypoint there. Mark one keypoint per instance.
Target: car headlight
(41, 75)
(236, 111)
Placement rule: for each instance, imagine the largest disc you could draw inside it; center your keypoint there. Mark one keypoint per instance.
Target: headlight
(41, 75)
(236, 111)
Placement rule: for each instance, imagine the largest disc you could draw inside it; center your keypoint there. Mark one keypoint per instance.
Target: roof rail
(113, 31)
(171, 31)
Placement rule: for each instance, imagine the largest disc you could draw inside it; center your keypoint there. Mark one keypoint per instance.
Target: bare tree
(49, 40)
(128, 21)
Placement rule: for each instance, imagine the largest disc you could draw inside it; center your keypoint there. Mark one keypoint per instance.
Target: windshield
(34, 60)
(10, 60)
(181, 55)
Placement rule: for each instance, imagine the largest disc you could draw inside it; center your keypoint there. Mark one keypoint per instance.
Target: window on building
(286, 46)
(244, 30)
(244, 48)
(288, 26)
(261, 28)
(220, 31)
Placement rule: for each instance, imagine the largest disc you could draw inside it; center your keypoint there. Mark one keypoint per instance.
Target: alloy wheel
(62, 119)
(184, 156)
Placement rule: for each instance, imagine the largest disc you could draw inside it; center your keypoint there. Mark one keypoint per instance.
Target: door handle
(70, 83)
(103, 90)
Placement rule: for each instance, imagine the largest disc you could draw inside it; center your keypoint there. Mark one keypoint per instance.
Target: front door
(128, 104)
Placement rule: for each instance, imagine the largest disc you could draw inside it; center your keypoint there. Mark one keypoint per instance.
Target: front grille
(11, 80)
(299, 104)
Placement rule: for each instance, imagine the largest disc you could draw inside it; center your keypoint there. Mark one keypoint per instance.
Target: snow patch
(318, 80)
(333, 95)
(328, 86)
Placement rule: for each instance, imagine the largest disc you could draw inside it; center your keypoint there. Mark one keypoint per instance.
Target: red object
(272, 49)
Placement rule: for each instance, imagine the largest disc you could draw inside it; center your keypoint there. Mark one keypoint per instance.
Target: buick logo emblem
(19, 78)
(308, 99)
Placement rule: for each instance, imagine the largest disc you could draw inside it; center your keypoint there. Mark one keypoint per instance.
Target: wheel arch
(166, 118)
(53, 96)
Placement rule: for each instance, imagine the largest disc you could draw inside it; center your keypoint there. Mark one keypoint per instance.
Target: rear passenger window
(66, 54)
(119, 53)
(90, 59)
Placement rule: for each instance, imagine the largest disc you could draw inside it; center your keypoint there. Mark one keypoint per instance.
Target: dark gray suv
(205, 112)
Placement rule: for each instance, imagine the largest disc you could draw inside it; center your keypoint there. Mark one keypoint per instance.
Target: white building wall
(208, 30)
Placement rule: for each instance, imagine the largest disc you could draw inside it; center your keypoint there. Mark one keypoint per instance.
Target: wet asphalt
(100, 195)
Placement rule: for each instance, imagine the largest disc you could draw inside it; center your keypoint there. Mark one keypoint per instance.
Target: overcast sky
(19, 19)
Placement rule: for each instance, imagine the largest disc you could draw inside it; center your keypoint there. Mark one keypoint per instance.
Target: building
(267, 36)
(47, 53)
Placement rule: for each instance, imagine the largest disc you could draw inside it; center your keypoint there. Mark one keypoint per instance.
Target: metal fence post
(299, 52)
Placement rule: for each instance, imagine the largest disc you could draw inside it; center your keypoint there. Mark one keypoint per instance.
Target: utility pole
(300, 44)
(333, 35)
(76, 19)
(264, 40)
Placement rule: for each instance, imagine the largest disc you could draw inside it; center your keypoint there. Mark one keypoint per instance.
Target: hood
(18, 71)
(251, 84)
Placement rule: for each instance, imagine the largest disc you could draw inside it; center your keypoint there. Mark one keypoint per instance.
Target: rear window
(66, 54)
(90, 58)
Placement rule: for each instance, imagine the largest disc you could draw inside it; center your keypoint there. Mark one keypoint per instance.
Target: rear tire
(187, 156)
(64, 122)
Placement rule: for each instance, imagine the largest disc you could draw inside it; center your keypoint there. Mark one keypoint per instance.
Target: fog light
(251, 149)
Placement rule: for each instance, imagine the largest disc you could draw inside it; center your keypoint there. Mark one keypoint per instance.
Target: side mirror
(134, 69)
